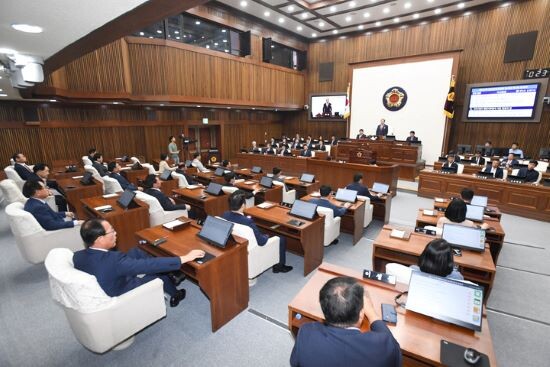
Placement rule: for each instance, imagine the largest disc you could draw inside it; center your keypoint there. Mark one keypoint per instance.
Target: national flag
(449, 109)
(347, 109)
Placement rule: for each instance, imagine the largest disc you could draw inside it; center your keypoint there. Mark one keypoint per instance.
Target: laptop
(380, 188)
(219, 171)
(256, 169)
(216, 231)
(214, 189)
(474, 212)
(346, 195)
(166, 175)
(307, 177)
(479, 200)
(303, 209)
(468, 238)
(266, 182)
(445, 299)
(126, 198)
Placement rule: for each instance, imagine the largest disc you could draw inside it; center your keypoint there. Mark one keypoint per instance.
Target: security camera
(306, 107)
(546, 100)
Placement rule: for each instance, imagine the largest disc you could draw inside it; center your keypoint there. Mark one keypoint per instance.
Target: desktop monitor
(479, 200)
(445, 299)
(307, 177)
(474, 212)
(468, 238)
(303, 209)
(214, 189)
(256, 169)
(216, 231)
(346, 195)
(266, 182)
(166, 175)
(126, 198)
(219, 171)
(87, 179)
(380, 187)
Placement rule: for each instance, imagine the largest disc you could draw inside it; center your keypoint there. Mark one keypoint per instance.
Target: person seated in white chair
(323, 201)
(236, 215)
(455, 213)
(97, 163)
(20, 166)
(115, 168)
(163, 164)
(48, 219)
(437, 259)
(197, 162)
(152, 186)
(116, 272)
(41, 171)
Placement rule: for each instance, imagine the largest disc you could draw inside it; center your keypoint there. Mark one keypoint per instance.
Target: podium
(214, 156)
(361, 156)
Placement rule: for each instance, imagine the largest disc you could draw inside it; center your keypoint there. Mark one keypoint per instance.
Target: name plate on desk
(249, 182)
(266, 205)
(439, 200)
(401, 235)
(381, 277)
(430, 213)
(192, 187)
(176, 224)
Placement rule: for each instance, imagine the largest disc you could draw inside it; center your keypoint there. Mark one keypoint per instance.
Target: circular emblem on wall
(394, 98)
(213, 159)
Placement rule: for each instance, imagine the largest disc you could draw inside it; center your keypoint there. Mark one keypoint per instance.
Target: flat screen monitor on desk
(446, 300)
(214, 189)
(380, 187)
(219, 171)
(303, 209)
(346, 195)
(266, 182)
(474, 212)
(126, 198)
(216, 231)
(479, 200)
(256, 169)
(307, 177)
(469, 238)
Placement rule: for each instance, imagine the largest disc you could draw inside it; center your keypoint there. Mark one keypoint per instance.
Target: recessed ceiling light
(224, 30)
(141, 33)
(430, 1)
(386, 10)
(266, 14)
(444, 19)
(27, 28)
(207, 46)
(224, 40)
(244, 3)
(368, 33)
(423, 23)
(159, 31)
(290, 8)
(403, 26)
(360, 26)
(373, 1)
(197, 22)
(335, 31)
(378, 23)
(281, 20)
(505, 5)
(407, 5)
(352, 4)
(321, 24)
(3, 95)
(437, 11)
(460, 5)
(467, 13)
(314, 35)
(385, 30)
(304, 15)
(396, 20)
(332, 8)
(366, 15)
(177, 32)
(416, 15)
(348, 19)
(299, 28)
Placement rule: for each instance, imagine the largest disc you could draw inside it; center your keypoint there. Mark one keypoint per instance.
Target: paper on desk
(172, 224)
(125, 168)
(397, 233)
(77, 177)
(192, 187)
(266, 205)
(249, 182)
(103, 207)
(239, 180)
(439, 200)
(315, 194)
(110, 196)
(428, 212)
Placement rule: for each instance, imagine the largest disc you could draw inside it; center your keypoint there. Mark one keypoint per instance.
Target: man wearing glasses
(116, 272)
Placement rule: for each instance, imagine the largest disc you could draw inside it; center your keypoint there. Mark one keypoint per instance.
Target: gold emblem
(394, 98)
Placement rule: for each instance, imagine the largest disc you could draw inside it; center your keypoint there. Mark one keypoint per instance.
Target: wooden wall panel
(482, 37)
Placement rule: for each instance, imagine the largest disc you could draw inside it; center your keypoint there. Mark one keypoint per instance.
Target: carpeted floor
(35, 331)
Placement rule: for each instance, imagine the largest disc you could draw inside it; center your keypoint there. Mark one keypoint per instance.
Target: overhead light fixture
(460, 5)
(386, 10)
(378, 23)
(314, 35)
(505, 5)
(385, 30)
(430, 1)
(366, 15)
(304, 15)
(141, 33)
(281, 20)
(178, 37)
(444, 19)
(352, 4)
(423, 23)
(266, 13)
(207, 46)
(199, 106)
(332, 8)
(467, 13)
(3, 95)
(360, 26)
(321, 24)
(244, 3)
(177, 32)
(368, 33)
(224, 30)
(335, 31)
(159, 31)
(437, 11)
(224, 40)
(291, 8)
(197, 22)
(299, 28)
(416, 15)
(407, 5)
(52, 100)
(396, 20)
(403, 26)
(348, 19)
(27, 28)
(226, 50)
(215, 43)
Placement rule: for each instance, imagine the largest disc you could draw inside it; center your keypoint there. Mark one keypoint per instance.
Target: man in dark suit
(509, 162)
(97, 163)
(478, 159)
(37, 192)
(488, 149)
(339, 341)
(361, 135)
(412, 136)
(494, 169)
(41, 171)
(451, 163)
(116, 272)
(114, 168)
(236, 215)
(152, 187)
(21, 167)
(327, 108)
(382, 128)
(530, 174)
(270, 149)
(362, 190)
(324, 202)
(286, 151)
(91, 153)
(333, 140)
(255, 149)
(305, 152)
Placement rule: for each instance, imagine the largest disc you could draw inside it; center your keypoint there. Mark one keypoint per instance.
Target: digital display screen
(504, 101)
(479, 200)
(216, 231)
(303, 209)
(328, 107)
(469, 238)
(346, 195)
(474, 212)
(380, 187)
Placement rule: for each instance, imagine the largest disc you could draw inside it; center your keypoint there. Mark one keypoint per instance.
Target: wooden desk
(224, 279)
(211, 205)
(168, 186)
(477, 267)
(354, 219)
(495, 237)
(58, 173)
(206, 177)
(493, 213)
(134, 176)
(290, 165)
(419, 336)
(74, 191)
(302, 188)
(526, 200)
(124, 221)
(246, 174)
(274, 194)
(306, 240)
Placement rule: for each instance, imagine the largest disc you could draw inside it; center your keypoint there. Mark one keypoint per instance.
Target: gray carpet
(35, 330)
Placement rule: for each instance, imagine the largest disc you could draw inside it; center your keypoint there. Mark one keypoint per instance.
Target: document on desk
(315, 194)
(192, 187)
(428, 212)
(173, 224)
(249, 182)
(439, 200)
(110, 196)
(397, 233)
(77, 177)
(266, 205)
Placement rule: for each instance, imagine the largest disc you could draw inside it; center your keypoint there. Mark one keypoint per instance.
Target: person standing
(173, 151)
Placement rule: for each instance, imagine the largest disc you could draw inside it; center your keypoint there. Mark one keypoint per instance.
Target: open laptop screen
(256, 169)
(380, 187)
(214, 189)
(469, 238)
(303, 209)
(346, 195)
(216, 231)
(126, 198)
(307, 177)
(446, 299)
(266, 182)
(219, 171)
(474, 212)
(479, 200)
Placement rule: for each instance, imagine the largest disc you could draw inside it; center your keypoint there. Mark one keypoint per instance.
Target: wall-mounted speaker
(326, 70)
(520, 47)
(266, 49)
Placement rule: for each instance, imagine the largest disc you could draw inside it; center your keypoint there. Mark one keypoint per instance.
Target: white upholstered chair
(289, 196)
(182, 181)
(402, 273)
(33, 241)
(460, 168)
(12, 174)
(157, 215)
(369, 209)
(542, 166)
(11, 192)
(504, 173)
(539, 178)
(228, 190)
(86, 161)
(260, 258)
(100, 322)
(111, 185)
(332, 225)
(95, 175)
(148, 166)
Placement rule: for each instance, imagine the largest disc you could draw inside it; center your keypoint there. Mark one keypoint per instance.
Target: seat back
(539, 178)
(134, 160)
(22, 223)
(182, 181)
(289, 196)
(157, 215)
(402, 273)
(332, 225)
(12, 193)
(460, 168)
(504, 173)
(86, 160)
(111, 185)
(369, 209)
(228, 190)
(542, 166)
(12, 174)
